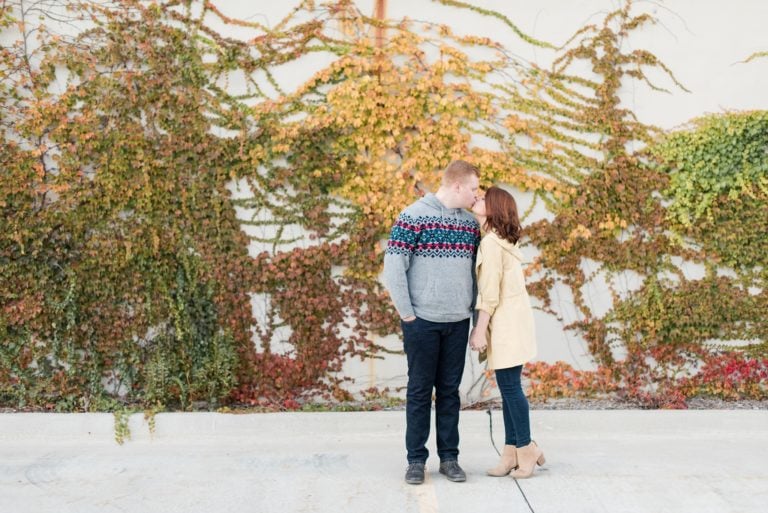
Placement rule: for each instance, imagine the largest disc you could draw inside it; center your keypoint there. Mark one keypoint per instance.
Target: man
(429, 272)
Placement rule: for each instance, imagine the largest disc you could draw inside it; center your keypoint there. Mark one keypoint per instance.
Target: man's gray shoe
(453, 471)
(414, 474)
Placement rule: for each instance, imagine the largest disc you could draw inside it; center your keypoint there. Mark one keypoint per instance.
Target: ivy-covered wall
(125, 275)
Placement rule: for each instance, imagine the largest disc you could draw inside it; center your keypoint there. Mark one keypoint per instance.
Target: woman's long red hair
(501, 214)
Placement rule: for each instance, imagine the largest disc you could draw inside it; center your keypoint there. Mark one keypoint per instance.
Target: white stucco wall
(701, 41)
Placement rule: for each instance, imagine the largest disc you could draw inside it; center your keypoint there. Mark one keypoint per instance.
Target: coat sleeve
(489, 271)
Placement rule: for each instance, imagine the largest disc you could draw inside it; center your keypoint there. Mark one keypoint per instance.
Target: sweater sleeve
(397, 259)
(475, 259)
(489, 272)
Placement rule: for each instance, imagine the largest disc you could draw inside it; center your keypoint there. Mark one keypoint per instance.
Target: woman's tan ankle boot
(507, 463)
(527, 458)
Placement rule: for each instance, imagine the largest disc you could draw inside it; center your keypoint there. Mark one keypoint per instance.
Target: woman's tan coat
(502, 293)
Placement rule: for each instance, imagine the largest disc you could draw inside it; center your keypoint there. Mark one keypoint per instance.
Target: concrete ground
(598, 461)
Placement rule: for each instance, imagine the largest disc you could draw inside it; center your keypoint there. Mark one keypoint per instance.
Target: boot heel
(527, 459)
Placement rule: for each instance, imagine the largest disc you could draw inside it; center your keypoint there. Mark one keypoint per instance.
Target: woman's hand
(477, 340)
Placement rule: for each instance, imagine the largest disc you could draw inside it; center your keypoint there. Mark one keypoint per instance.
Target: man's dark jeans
(436, 352)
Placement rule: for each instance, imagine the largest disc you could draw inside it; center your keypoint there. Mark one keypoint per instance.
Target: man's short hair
(459, 170)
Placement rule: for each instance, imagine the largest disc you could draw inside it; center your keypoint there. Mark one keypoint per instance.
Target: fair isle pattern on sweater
(434, 237)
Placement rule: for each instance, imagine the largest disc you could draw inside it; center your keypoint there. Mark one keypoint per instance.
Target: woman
(505, 326)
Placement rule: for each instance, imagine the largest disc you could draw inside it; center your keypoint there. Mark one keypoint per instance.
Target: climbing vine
(180, 228)
(631, 193)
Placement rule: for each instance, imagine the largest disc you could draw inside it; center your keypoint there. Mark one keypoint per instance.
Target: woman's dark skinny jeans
(517, 422)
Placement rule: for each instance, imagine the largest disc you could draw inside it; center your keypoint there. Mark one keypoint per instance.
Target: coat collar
(507, 246)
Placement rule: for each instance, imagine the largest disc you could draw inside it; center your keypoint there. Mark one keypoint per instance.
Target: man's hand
(410, 319)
